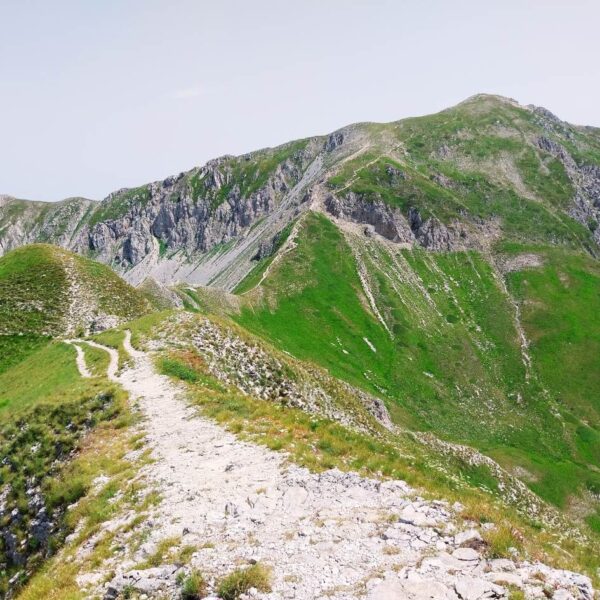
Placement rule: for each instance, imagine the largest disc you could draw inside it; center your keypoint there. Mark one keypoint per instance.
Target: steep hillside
(53, 423)
(58, 432)
(48, 291)
(496, 352)
(220, 510)
(24, 221)
(486, 172)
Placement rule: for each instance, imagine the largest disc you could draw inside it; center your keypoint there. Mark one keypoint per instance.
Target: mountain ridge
(208, 225)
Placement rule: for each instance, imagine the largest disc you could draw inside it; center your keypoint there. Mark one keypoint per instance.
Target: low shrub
(241, 580)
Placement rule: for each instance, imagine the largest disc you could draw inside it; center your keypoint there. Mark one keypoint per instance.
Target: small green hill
(48, 291)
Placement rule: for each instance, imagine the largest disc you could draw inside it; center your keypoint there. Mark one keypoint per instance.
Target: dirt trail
(80, 358)
(113, 365)
(332, 535)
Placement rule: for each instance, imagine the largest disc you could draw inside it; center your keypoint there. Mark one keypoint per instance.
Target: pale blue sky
(100, 94)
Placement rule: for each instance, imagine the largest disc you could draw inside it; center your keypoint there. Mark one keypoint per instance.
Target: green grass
(194, 586)
(163, 248)
(102, 451)
(560, 313)
(561, 303)
(96, 359)
(47, 413)
(33, 291)
(15, 348)
(113, 338)
(160, 554)
(320, 294)
(452, 364)
(142, 327)
(35, 295)
(177, 369)
(240, 581)
(47, 375)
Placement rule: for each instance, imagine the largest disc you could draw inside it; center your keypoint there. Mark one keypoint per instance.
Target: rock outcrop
(585, 178)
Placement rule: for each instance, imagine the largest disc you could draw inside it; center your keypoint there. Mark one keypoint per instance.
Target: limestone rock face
(585, 178)
(390, 223)
(387, 221)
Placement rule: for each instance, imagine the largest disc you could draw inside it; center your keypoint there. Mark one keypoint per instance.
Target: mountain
(464, 291)
(417, 301)
(485, 172)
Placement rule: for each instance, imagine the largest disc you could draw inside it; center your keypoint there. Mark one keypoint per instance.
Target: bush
(193, 586)
(240, 581)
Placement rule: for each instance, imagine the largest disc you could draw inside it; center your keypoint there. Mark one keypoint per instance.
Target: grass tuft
(194, 586)
(240, 581)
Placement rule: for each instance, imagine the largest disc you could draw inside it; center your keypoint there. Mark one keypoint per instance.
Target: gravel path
(113, 365)
(80, 358)
(325, 536)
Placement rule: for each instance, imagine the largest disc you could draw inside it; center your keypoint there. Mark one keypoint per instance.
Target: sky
(96, 95)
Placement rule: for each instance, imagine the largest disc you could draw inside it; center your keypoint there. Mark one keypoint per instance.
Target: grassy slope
(48, 374)
(453, 365)
(44, 403)
(560, 308)
(33, 291)
(320, 312)
(35, 294)
(112, 294)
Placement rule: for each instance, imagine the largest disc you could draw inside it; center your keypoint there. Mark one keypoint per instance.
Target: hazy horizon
(99, 96)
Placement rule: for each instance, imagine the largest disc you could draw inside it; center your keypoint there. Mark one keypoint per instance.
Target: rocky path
(79, 358)
(113, 365)
(325, 536)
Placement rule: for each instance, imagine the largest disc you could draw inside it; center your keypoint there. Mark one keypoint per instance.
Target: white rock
(562, 594)
(471, 535)
(471, 588)
(502, 564)
(466, 554)
(504, 577)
